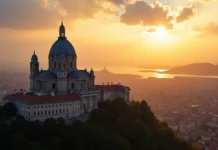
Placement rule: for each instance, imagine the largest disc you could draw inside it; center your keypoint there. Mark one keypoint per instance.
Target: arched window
(72, 85)
(53, 86)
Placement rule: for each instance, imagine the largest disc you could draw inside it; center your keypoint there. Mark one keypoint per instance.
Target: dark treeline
(114, 126)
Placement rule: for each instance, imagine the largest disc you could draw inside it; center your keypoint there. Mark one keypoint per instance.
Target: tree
(9, 110)
(19, 142)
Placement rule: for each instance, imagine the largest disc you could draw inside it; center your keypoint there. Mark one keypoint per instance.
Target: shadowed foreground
(114, 126)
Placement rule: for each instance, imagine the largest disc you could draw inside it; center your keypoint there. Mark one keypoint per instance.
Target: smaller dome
(34, 57)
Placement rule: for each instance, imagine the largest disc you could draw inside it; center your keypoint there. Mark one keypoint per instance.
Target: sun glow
(161, 32)
(160, 36)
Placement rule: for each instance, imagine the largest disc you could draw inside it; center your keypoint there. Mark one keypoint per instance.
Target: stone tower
(34, 69)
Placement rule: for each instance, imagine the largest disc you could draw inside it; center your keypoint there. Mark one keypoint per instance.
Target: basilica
(63, 90)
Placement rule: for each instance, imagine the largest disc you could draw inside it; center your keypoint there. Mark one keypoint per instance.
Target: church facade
(61, 91)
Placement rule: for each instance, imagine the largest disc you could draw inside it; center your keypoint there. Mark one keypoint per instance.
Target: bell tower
(34, 69)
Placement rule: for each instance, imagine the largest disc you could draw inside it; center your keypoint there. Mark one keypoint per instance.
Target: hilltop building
(113, 91)
(61, 91)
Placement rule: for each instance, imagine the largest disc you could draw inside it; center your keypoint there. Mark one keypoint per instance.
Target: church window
(62, 34)
(72, 85)
(53, 86)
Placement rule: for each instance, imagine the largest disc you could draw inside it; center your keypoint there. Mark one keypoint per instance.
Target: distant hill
(195, 69)
(105, 76)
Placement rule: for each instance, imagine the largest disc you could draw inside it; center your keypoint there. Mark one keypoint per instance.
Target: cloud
(152, 30)
(44, 14)
(210, 29)
(119, 2)
(27, 14)
(186, 13)
(141, 13)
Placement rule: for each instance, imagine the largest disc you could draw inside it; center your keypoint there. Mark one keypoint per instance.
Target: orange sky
(112, 33)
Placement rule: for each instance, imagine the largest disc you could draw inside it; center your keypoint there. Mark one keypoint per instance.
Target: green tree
(19, 142)
(9, 110)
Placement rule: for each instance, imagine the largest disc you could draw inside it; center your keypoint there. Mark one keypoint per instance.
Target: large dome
(62, 47)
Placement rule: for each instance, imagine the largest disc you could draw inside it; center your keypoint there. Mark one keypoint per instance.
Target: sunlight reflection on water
(149, 73)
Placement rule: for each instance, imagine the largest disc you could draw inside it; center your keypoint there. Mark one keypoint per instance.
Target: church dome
(34, 57)
(62, 47)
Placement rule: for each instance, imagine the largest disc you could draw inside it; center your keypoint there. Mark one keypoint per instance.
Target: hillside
(195, 69)
(114, 126)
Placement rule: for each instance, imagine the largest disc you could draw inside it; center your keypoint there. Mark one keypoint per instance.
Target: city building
(113, 91)
(61, 91)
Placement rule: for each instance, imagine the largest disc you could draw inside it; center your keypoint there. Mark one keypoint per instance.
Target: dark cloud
(26, 14)
(141, 13)
(186, 13)
(210, 29)
(39, 14)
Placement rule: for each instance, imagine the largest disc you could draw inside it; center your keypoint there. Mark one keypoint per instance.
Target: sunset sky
(112, 33)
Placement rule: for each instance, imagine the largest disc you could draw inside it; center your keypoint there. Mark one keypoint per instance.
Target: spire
(34, 57)
(62, 30)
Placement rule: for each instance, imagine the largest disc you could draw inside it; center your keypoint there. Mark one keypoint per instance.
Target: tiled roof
(42, 99)
(79, 73)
